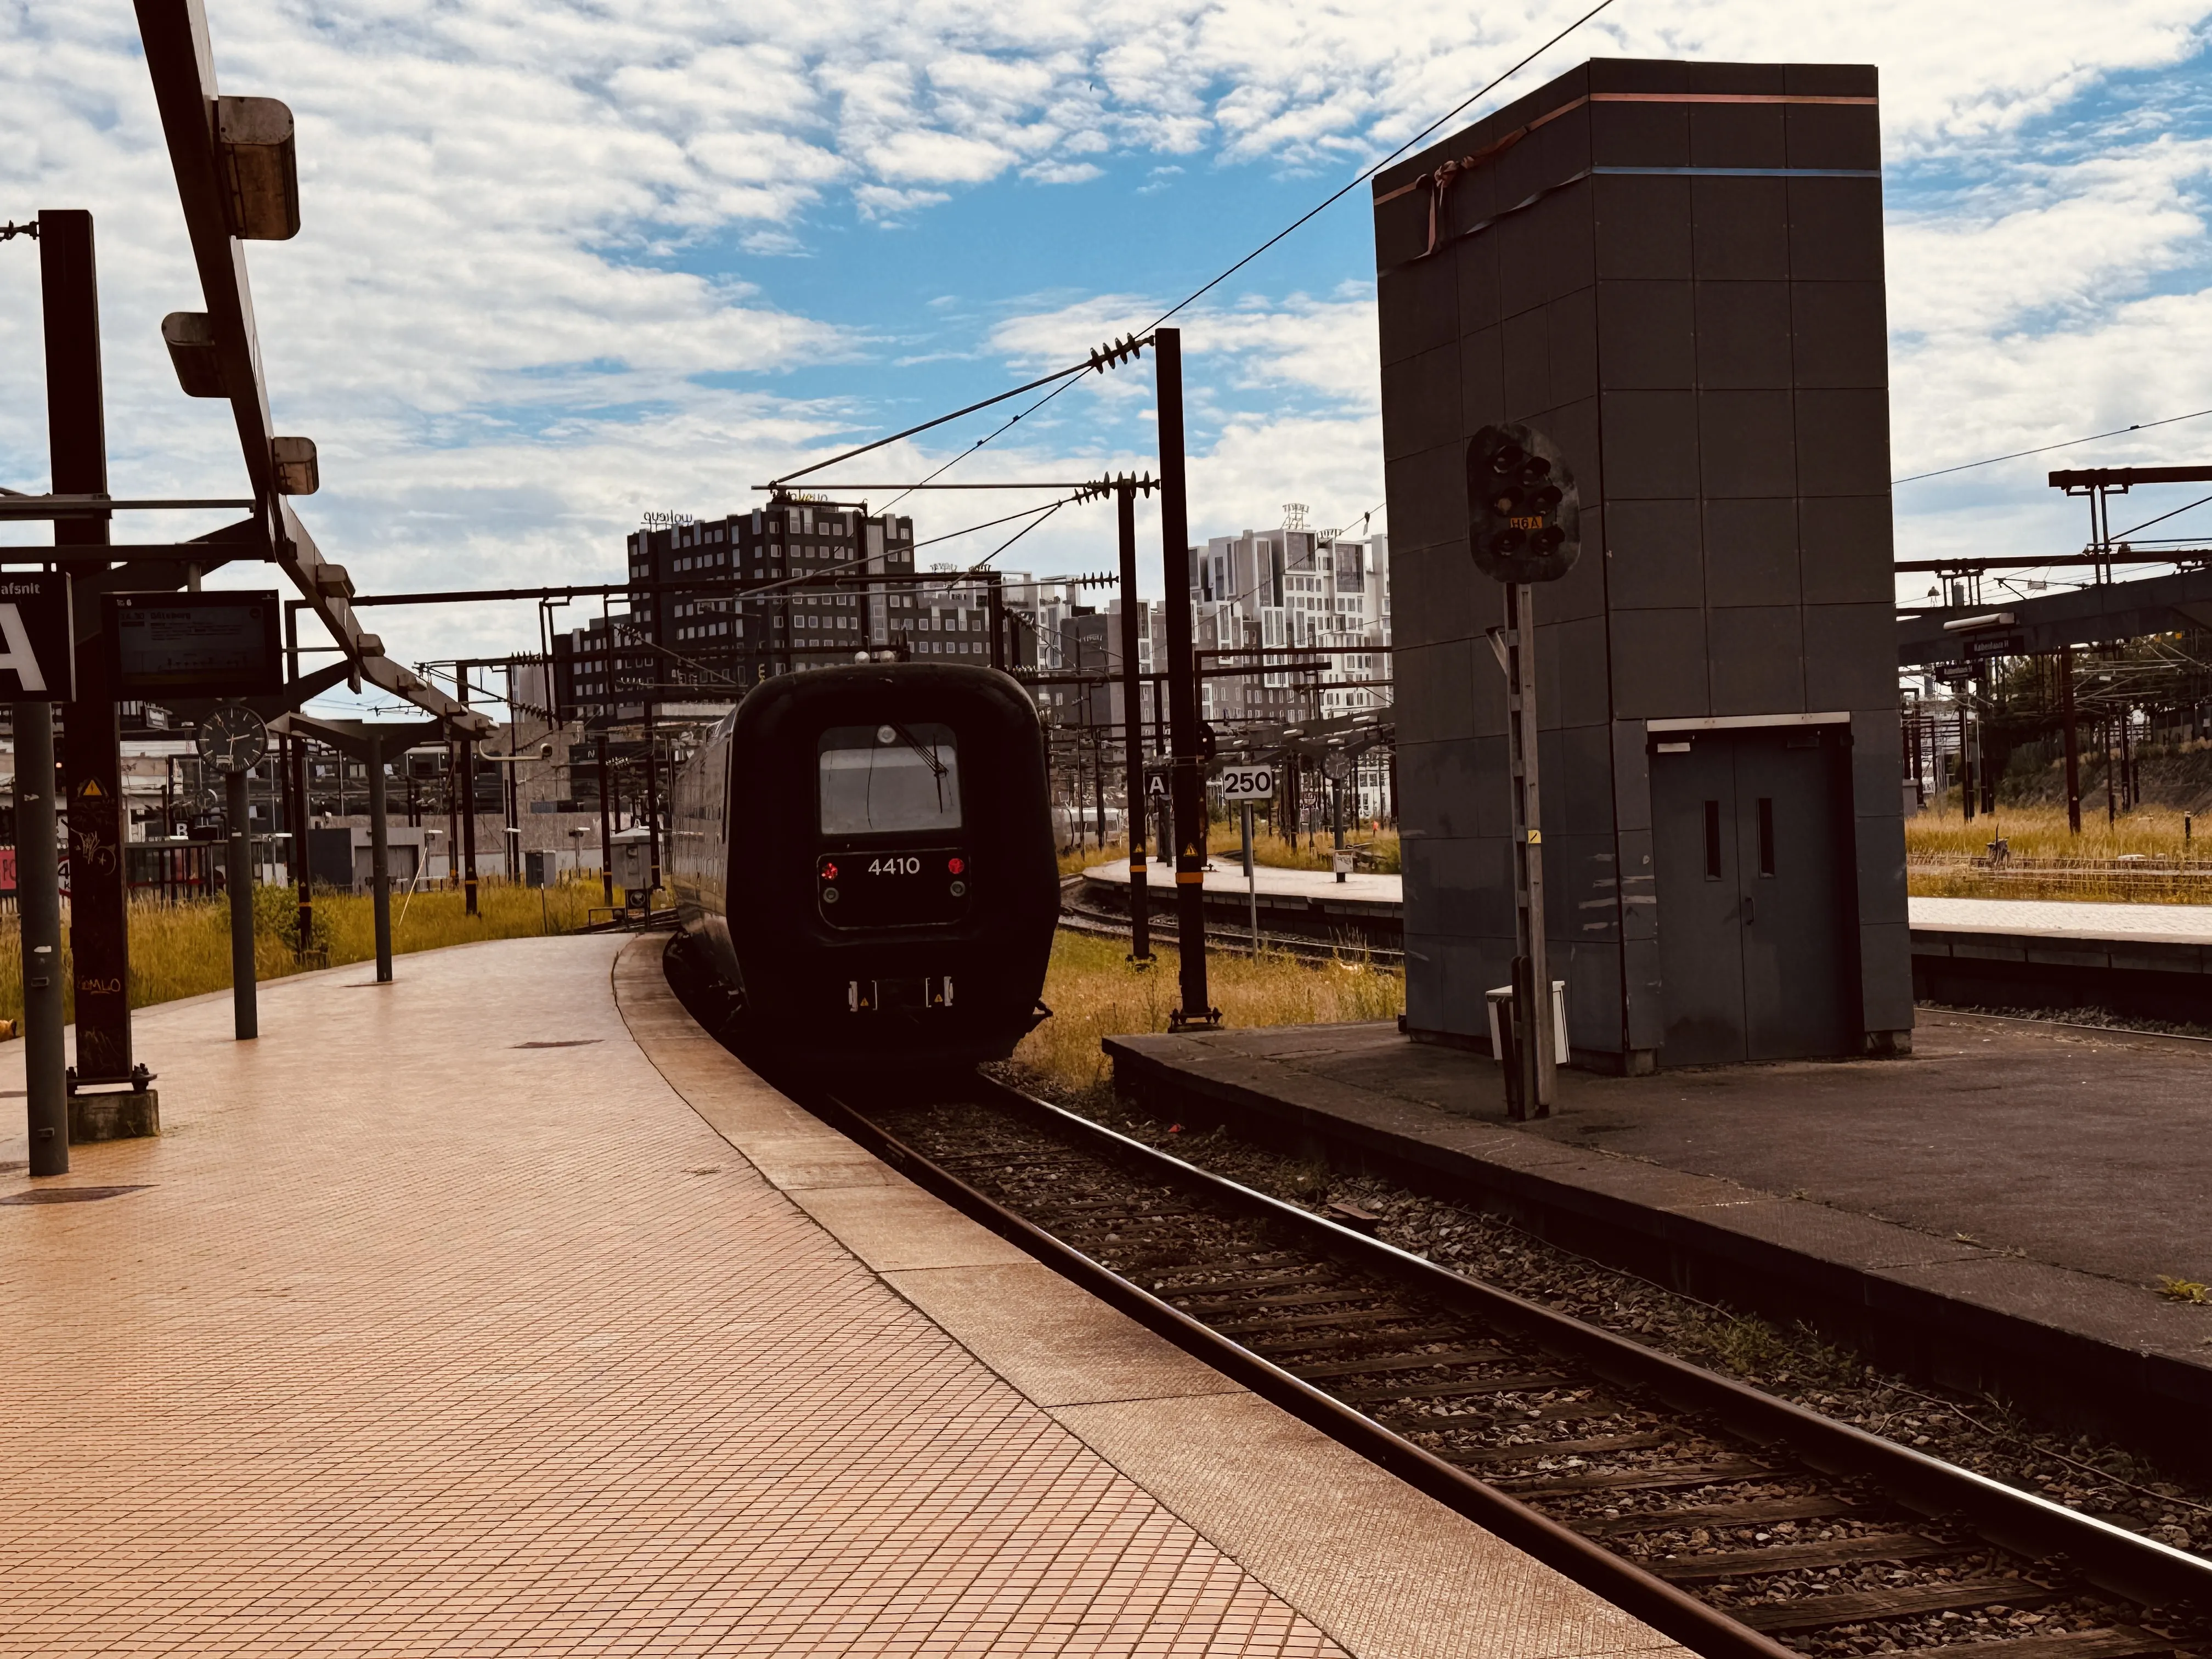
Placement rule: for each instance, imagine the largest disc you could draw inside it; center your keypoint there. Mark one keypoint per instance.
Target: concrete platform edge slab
(1382, 1568)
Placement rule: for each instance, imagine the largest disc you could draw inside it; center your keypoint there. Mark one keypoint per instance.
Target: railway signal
(1524, 518)
(1524, 526)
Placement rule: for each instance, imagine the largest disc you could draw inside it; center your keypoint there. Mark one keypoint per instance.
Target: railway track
(1737, 1523)
(1080, 918)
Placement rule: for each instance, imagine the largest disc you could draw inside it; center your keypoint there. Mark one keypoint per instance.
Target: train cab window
(889, 780)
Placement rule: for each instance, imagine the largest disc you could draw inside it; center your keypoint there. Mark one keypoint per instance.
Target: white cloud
(937, 158)
(1063, 172)
(498, 325)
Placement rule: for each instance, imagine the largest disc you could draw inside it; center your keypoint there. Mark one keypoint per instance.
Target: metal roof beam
(181, 61)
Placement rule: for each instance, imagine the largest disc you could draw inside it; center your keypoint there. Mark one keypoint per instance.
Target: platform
(2187, 923)
(2149, 961)
(499, 1310)
(1996, 1210)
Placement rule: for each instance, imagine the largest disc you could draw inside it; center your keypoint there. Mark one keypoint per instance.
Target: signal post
(1524, 524)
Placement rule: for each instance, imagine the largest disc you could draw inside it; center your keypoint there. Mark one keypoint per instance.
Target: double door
(1756, 956)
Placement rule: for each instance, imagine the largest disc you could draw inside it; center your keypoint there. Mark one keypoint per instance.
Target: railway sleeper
(1340, 1315)
(1759, 1511)
(1429, 1361)
(1733, 1473)
(1321, 1342)
(1233, 1287)
(1866, 1607)
(2119, 1642)
(1787, 1557)
(1335, 1301)
(1594, 1446)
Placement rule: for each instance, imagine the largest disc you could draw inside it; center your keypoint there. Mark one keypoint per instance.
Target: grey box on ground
(125, 1117)
(1674, 272)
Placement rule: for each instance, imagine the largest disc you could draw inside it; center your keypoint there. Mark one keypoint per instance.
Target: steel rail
(2134, 1568)
(1666, 1609)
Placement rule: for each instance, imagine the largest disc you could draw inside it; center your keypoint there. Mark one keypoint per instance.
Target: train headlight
(960, 890)
(955, 865)
(829, 896)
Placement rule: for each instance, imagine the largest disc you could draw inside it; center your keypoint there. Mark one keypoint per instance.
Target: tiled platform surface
(2013, 1187)
(424, 1335)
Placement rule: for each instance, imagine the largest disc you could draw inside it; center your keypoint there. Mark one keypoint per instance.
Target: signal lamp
(1524, 519)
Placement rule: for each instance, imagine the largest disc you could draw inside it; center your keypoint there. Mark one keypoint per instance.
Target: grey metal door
(1796, 954)
(1754, 960)
(1693, 821)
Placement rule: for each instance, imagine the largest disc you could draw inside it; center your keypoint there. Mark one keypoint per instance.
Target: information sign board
(220, 644)
(2010, 643)
(1246, 782)
(37, 643)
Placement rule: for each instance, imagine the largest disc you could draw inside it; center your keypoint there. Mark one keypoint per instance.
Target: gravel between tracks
(2098, 1478)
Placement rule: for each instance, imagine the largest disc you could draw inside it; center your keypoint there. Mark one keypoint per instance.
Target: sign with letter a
(38, 642)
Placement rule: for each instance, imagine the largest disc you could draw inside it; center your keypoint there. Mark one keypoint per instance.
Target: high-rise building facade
(1293, 589)
(719, 605)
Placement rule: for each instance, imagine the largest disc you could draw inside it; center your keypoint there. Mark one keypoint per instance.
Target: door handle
(1750, 909)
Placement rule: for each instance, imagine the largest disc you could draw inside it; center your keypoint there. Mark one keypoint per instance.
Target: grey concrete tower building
(1674, 271)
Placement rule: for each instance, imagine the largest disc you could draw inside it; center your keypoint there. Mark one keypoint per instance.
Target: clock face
(232, 738)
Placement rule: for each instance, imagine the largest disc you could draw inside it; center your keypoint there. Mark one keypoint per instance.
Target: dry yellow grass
(2142, 858)
(2041, 832)
(184, 950)
(1095, 991)
(1378, 849)
(1075, 863)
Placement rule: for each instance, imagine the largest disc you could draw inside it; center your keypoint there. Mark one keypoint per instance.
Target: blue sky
(564, 263)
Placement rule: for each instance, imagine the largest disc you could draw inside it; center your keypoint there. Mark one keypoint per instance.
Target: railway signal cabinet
(1674, 272)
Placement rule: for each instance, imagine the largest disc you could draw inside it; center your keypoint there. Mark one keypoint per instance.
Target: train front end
(891, 872)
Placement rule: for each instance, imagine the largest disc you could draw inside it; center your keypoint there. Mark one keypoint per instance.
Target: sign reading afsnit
(37, 643)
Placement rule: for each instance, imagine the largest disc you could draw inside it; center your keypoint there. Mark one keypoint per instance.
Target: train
(862, 863)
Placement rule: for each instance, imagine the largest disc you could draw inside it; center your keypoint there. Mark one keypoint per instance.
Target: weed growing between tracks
(1094, 991)
(184, 950)
(2096, 1477)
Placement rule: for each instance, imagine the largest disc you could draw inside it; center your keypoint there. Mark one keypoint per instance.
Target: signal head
(1524, 519)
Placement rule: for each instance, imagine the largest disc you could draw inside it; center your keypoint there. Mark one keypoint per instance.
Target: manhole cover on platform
(69, 1194)
(567, 1042)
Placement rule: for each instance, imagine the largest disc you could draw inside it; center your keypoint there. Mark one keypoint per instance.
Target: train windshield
(893, 779)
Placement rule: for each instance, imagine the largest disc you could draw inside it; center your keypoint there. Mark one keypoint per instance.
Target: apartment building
(1292, 589)
(699, 625)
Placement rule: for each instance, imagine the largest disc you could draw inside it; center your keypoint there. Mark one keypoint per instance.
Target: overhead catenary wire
(1063, 377)
(2044, 449)
(2161, 519)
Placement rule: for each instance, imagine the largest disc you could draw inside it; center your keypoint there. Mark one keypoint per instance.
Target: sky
(567, 261)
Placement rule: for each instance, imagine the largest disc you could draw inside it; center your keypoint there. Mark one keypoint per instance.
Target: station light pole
(246, 1015)
(380, 859)
(468, 801)
(38, 904)
(606, 827)
(76, 433)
